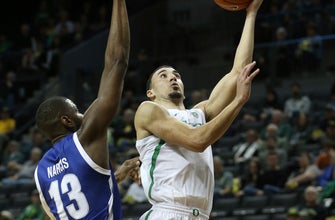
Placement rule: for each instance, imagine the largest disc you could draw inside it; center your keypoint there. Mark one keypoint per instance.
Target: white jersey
(175, 176)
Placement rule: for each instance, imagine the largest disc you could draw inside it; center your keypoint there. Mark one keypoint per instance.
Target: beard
(175, 95)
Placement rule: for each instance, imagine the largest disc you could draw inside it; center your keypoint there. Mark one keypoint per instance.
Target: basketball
(233, 5)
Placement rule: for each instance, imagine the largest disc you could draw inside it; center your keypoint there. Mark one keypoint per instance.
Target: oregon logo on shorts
(195, 212)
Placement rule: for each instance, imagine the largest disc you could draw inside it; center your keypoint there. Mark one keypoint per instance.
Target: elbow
(121, 62)
(198, 144)
(116, 66)
(118, 57)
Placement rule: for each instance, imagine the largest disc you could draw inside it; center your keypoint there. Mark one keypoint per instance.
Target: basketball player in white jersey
(174, 143)
(74, 178)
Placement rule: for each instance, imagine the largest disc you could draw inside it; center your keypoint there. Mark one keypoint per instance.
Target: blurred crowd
(278, 145)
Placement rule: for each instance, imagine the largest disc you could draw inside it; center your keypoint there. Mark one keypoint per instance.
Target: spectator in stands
(223, 179)
(23, 173)
(25, 38)
(26, 42)
(101, 22)
(270, 130)
(271, 102)
(10, 91)
(312, 209)
(328, 114)
(323, 159)
(124, 132)
(271, 145)
(128, 101)
(31, 57)
(7, 122)
(293, 214)
(6, 215)
(33, 211)
(7, 126)
(305, 174)
(268, 181)
(11, 154)
(42, 14)
(37, 139)
(279, 128)
(301, 135)
(329, 132)
(273, 179)
(250, 180)
(246, 122)
(297, 102)
(283, 53)
(285, 129)
(309, 50)
(247, 149)
(64, 27)
(51, 56)
(328, 173)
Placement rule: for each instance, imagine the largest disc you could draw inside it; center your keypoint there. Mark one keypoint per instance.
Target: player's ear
(67, 121)
(151, 94)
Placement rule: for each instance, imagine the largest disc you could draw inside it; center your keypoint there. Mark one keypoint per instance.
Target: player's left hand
(129, 168)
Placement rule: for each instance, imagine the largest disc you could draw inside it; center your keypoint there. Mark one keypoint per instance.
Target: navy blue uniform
(73, 186)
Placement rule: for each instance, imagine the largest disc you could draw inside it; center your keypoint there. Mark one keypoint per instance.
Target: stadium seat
(4, 204)
(279, 216)
(256, 217)
(251, 205)
(226, 218)
(20, 199)
(224, 206)
(279, 203)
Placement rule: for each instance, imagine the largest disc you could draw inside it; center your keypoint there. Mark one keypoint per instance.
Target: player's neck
(57, 138)
(171, 104)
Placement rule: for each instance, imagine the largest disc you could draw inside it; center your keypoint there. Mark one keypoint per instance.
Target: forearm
(118, 44)
(303, 178)
(117, 49)
(220, 123)
(214, 129)
(243, 56)
(245, 49)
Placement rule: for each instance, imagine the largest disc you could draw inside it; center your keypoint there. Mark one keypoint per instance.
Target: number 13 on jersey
(70, 187)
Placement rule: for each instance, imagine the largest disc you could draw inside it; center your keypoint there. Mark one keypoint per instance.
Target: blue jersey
(73, 186)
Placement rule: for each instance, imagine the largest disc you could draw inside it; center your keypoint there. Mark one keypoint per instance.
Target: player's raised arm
(224, 92)
(99, 115)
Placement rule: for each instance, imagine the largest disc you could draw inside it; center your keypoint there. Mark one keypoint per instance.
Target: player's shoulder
(147, 107)
(148, 103)
(148, 111)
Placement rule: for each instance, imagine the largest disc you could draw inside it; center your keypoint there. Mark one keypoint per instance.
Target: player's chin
(176, 95)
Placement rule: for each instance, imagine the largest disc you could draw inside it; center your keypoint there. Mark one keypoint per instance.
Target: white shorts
(168, 212)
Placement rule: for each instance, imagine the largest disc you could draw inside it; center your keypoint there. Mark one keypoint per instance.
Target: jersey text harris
(58, 167)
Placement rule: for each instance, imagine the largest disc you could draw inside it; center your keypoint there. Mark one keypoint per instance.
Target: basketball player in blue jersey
(174, 142)
(74, 178)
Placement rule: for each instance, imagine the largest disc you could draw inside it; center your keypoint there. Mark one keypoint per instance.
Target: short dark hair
(49, 112)
(148, 84)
